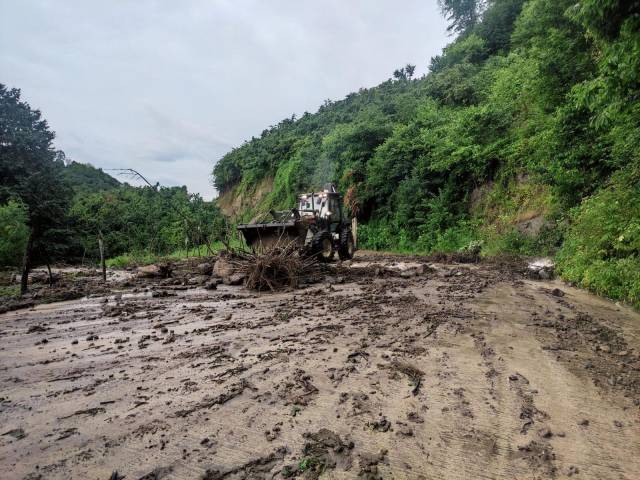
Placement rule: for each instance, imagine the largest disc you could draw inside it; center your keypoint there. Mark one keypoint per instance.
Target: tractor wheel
(346, 248)
(322, 246)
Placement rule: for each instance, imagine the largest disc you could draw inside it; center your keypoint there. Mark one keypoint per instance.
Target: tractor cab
(323, 207)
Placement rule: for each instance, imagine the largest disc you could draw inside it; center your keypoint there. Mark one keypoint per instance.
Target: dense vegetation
(524, 136)
(55, 210)
(143, 220)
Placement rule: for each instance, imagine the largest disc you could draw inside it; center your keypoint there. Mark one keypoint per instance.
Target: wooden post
(354, 231)
(26, 264)
(207, 243)
(102, 261)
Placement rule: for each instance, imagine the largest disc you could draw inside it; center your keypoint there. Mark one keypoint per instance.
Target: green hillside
(524, 137)
(83, 177)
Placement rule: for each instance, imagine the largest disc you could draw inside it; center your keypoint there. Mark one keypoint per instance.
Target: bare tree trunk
(49, 270)
(26, 264)
(102, 261)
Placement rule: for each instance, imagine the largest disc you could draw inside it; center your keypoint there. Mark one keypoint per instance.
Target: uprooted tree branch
(274, 268)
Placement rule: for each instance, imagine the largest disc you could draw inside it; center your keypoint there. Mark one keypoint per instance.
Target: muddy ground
(454, 371)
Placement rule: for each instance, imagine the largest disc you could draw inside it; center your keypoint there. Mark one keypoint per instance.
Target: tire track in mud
(423, 376)
(566, 391)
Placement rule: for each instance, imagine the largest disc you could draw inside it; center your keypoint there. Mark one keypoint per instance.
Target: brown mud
(391, 367)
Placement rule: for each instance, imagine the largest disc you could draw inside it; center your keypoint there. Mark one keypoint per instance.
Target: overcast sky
(167, 87)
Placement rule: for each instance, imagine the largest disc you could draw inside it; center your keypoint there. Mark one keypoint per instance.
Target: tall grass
(147, 258)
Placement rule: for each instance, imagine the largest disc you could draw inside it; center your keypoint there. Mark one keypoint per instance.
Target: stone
(234, 279)
(212, 284)
(205, 268)
(154, 271)
(223, 268)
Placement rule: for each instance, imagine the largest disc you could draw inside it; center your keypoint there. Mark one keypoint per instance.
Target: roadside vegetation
(523, 137)
(55, 210)
(145, 257)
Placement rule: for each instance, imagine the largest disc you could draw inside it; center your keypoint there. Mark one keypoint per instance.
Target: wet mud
(389, 367)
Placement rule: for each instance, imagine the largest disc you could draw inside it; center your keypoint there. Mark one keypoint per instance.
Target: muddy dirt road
(456, 372)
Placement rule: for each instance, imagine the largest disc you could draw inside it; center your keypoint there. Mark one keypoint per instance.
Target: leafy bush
(132, 259)
(462, 237)
(601, 251)
(13, 233)
(144, 220)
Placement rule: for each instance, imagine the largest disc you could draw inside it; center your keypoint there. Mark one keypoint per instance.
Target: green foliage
(31, 173)
(498, 23)
(132, 259)
(86, 178)
(385, 236)
(604, 18)
(471, 49)
(602, 247)
(13, 233)
(308, 463)
(147, 258)
(144, 220)
(525, 116)
(462, 14)
(330, 146)
(9, 291)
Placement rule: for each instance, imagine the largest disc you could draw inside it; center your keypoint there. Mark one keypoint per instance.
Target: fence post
(102, 261)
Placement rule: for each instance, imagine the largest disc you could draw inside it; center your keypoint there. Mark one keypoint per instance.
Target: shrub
(13, 233)
(601, 251)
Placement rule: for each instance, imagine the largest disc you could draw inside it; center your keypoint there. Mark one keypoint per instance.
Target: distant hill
(86, 178)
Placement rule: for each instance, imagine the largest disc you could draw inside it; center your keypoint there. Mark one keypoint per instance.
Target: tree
(31, 173)
(399, 74)
(13, 232)
(404, 73)
(605, 18)
(409, 70)
(498, 22)
(462, 14)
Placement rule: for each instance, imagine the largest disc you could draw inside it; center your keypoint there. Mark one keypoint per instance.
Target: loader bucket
(264, 236)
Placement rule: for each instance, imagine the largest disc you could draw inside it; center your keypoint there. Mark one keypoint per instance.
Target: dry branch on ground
(275, 268)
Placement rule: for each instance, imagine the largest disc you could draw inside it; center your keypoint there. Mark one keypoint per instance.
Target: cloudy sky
(167, 87)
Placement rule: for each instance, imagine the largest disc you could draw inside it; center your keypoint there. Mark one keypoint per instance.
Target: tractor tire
(322, 246)
(347, 246)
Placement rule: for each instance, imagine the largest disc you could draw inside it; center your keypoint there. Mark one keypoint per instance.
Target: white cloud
(169, 87)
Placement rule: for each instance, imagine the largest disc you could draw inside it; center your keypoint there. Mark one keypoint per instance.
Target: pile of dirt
(323, 450)
(257, 468)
